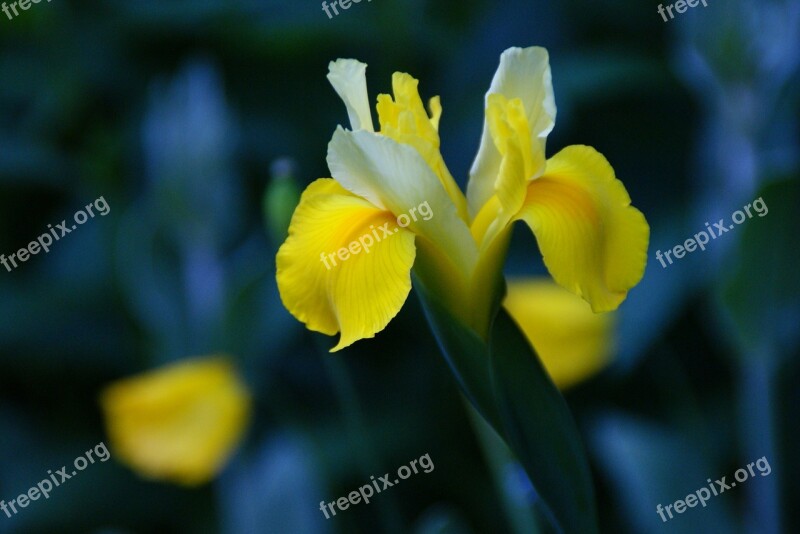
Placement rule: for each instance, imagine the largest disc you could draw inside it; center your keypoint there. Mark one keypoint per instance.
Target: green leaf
(762, 290)
(648, 464)
(540, 428)
(465, 353)
(507, 384)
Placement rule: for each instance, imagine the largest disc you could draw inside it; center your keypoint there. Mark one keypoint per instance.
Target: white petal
(523, 73)
(395, 177)
(348, 77)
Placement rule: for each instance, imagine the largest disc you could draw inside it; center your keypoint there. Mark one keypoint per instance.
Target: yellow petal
(346, 264)
(394, 176)
(523, 74)
(405, 114)
(435, 105)
(593, 241)
(511, 135)
(349, 80)
(519, 164)
(179, 423)
(572, 342)
(405, 120)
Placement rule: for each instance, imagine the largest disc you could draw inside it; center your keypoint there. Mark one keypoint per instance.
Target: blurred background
(199, 122)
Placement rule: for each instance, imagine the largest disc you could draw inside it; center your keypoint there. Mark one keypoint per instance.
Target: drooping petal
(346, 264)
(179, 423)
(593, 241)
(405, 120)
(348, 77)
(524, 74)
(394, 176)
(572, 342)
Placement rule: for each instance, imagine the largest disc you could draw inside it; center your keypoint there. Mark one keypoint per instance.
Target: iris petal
(524, 74)
(593, 241)
(404, 119)
(394, 176)
(572, 342)
(179, 423)
(519, 164)
(346, 264)
(348, 77)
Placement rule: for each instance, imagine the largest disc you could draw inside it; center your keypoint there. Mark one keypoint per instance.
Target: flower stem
(517, 503)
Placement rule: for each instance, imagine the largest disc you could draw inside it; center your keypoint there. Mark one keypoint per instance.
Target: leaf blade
(540, 429)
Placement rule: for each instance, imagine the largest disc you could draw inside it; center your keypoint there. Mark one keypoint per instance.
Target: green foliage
(507, 384)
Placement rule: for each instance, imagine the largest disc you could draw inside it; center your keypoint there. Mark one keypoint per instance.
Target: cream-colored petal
(523, 74)
(348, 77)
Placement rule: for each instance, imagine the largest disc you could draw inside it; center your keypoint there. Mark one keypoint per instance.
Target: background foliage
(176, 112)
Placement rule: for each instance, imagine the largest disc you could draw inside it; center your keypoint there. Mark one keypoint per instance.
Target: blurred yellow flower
(179, 423)
(573, 342)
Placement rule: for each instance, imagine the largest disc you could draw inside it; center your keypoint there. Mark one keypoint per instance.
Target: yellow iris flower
(179, 423)
(594, 243)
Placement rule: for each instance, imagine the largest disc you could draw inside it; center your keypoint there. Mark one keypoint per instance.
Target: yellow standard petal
(523, 76)
(405, 120)
(572, 342)
(519, 164)
(593, 241)
(346, 265)
(179, 423)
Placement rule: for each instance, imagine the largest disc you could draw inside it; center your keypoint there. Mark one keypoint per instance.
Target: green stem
(499, 458)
